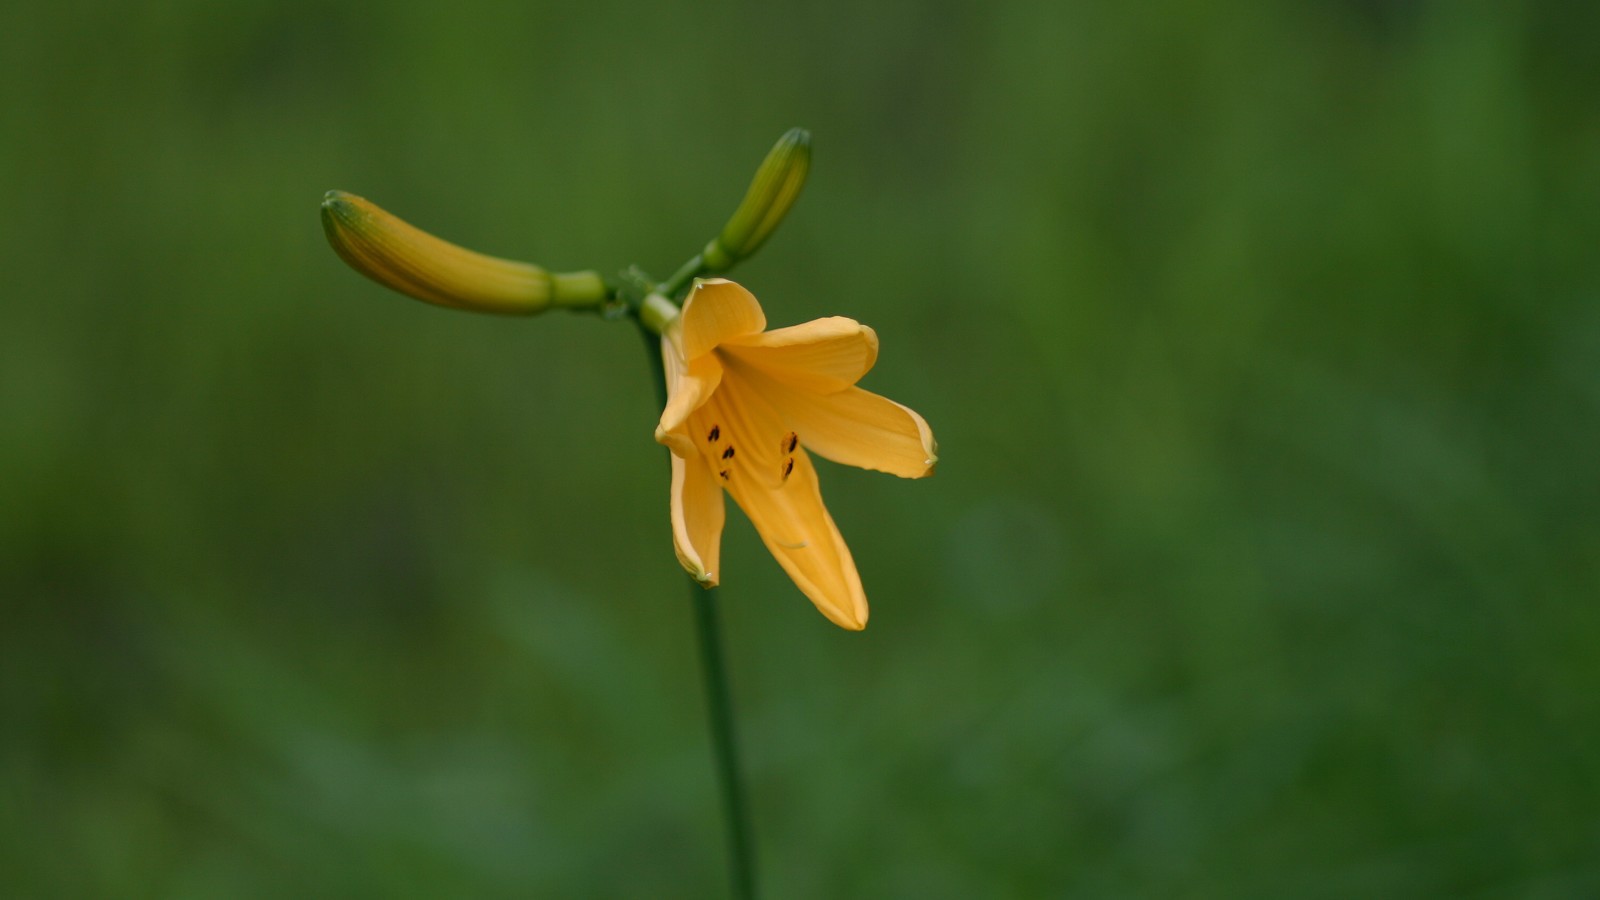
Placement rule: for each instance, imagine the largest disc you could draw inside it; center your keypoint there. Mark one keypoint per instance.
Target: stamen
(724, 473)
(790, 441)
(716, 432)
(788, 467)
(728, 453)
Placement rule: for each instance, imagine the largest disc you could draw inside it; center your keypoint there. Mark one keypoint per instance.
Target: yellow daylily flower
(743, 407)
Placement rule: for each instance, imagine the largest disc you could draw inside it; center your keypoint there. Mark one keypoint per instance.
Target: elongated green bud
(772, 192)
(407, 259)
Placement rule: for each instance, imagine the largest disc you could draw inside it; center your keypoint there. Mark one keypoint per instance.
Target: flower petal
(689, 386)
(773, 481)
(854, 426)
(824, 355)
(718, 309)
(698, 513)
(800, 534)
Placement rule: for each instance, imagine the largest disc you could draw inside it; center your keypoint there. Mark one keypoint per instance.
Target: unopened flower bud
(772, 192)
(407, 259)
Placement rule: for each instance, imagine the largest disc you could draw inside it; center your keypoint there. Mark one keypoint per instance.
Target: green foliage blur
(1261, 341)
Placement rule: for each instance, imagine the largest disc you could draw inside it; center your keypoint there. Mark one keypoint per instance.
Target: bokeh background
(1262, 343)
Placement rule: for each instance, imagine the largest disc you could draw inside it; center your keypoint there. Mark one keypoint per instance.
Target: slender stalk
(740, 849)
(689, 271)
(719, 703)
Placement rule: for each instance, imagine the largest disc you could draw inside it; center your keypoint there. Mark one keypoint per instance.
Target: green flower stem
(740, 850)
(578, 290)
(719, 700)
(655, 311)
(686, 273)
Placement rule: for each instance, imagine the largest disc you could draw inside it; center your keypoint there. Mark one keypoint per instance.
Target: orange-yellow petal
(718, 309)
(824, 355)
(689, 386)
(854, 426)
(796, 527)
(770, 476)
(698, 513)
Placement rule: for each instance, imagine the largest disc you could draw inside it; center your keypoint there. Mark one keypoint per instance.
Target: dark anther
(788, 466)
(716, 432)
(724, 473)
(790, 442)
(728, 453)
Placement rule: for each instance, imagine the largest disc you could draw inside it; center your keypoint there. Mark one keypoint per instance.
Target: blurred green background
(1262, 343)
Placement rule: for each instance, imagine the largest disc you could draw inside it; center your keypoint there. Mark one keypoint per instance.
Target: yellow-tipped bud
(772, 192)
(401, 256)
